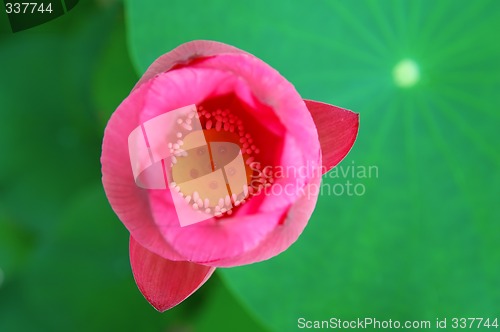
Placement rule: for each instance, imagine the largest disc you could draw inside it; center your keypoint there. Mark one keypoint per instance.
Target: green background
(421, 243)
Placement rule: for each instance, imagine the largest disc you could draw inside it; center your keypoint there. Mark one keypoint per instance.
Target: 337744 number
(470, 323)
(27, 7)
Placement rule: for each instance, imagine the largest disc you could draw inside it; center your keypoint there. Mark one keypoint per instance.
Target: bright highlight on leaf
(406, 73)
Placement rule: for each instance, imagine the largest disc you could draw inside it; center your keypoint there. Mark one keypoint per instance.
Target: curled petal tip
(165, 283)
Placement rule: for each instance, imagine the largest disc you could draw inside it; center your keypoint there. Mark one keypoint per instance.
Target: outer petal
(165, 283)
(337, 131)
(129, 202)
(184, 54)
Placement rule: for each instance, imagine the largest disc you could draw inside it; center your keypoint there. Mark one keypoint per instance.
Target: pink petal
(184, 54)
(284, 235)
(337, 130)
(165, 283)
(215, 239)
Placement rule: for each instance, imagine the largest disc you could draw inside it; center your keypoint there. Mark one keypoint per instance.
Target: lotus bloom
(214, 160)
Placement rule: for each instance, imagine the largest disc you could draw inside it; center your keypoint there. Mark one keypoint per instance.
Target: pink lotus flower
(214, 160)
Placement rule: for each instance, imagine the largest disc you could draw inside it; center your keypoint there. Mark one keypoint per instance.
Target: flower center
(215, 169)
